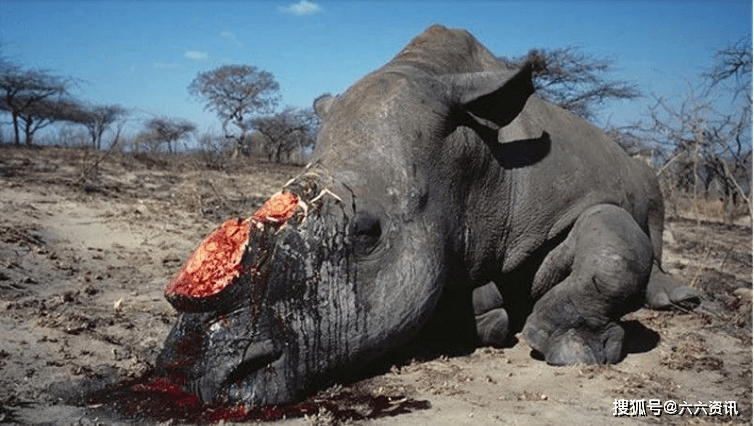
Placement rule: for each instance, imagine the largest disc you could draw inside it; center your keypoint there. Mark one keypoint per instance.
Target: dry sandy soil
(88, 243)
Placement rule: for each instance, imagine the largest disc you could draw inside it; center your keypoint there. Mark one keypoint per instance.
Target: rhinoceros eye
(367, 232)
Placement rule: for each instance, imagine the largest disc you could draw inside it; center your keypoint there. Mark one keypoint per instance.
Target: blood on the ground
(165, 399)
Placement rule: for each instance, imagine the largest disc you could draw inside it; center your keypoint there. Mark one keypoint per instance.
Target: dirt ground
(88, 243)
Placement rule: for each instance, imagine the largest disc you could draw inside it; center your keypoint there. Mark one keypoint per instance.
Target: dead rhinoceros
(439, 187)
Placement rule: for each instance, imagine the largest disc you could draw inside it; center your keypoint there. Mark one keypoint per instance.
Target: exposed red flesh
(217, 262)
(277, 209)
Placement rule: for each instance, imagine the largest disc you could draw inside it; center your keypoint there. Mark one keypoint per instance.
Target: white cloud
(196, 55)
(303, 7)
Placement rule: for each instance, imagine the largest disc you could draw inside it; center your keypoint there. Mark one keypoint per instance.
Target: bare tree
(287, 131)
(97, 119)
(576, 81)
(236, 93)
(34, 97)
(705, 147)
(733, 62)
(162, 130)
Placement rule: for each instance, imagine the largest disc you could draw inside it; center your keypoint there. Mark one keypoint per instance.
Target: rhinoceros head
(357, 264)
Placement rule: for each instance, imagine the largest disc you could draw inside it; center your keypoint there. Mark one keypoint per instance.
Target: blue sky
(144, 54)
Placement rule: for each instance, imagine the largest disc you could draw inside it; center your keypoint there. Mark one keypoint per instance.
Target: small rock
(69, 296)
(141, 210)
(743, 293)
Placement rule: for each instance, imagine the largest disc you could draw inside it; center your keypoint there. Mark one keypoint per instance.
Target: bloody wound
(218, 261)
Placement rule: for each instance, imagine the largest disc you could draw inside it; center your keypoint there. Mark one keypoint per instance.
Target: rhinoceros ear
(322, 105)
(494, 98)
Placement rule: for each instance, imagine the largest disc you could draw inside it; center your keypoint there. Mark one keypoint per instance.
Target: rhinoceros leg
(491, 318)
(596, 275)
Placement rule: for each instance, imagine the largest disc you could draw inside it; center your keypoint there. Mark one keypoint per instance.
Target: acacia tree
(237, 94)
(97, 119)
(163, 130)
(286, 131)
(576, 81)
(34, 97)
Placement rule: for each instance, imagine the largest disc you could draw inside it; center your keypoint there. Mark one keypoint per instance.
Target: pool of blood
(163, 399)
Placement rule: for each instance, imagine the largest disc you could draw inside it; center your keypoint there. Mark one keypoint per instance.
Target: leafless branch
(577, 81)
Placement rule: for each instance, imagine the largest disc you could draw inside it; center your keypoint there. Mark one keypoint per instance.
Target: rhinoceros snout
(257, 296)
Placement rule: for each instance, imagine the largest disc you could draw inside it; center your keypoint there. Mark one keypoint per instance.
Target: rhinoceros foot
(573, 346)
(664, 292)
(492, 322)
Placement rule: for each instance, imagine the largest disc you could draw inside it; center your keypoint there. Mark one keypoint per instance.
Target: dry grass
(706, 209)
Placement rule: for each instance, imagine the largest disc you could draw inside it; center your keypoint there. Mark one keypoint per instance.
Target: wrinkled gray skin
(456, 194)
